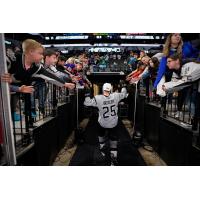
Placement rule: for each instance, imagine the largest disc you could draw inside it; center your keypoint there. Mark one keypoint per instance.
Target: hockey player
(107, 105)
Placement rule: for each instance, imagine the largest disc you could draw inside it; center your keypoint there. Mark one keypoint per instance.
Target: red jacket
(137, 73)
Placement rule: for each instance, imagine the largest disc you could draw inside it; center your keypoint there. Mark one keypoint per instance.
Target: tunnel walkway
(87, 154)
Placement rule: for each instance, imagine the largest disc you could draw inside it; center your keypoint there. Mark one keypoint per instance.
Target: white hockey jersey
(108, 107)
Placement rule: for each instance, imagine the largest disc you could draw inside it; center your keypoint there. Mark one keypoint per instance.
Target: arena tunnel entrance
(88, 151)
(48, 123)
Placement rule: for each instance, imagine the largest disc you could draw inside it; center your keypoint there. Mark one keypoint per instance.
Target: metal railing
(182, 106)
(30, 110)
(7, 149)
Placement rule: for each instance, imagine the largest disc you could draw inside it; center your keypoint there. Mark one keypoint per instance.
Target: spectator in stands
(150, 69)
(102, 63)
(145, 59)
(184, 76)
(17, 50)
(23, 89)
(86, 67)
(173, 44)
(79, 76)
(28, 66)
(135, 56)
(119, 56)
(14, 99)
(10, 56)
(50, 60)
(40, 94)
(142, 54)
(96, 59)
(132, 62)
(133, 77)
(81, 81)
(61, 63)
(145, 73)
(14, 87)
(70, 64)
(142, 73)
(153, 68)
(91, 59)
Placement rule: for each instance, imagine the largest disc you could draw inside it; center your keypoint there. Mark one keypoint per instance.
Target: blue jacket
(188, 51)
(14, 88)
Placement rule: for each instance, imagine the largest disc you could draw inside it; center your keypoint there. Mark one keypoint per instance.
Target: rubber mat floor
(87, 154)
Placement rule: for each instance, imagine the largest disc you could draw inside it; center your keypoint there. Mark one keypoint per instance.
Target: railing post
(54, 101)
(6, 110)
(28, 118)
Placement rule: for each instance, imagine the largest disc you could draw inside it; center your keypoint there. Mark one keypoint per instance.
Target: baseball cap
(107, 87)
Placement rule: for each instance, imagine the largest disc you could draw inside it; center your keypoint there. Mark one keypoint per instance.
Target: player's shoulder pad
(97, 97)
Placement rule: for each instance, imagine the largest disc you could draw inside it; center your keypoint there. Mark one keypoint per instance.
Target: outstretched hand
(6, 78)
(70, 86)
(26, 89)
